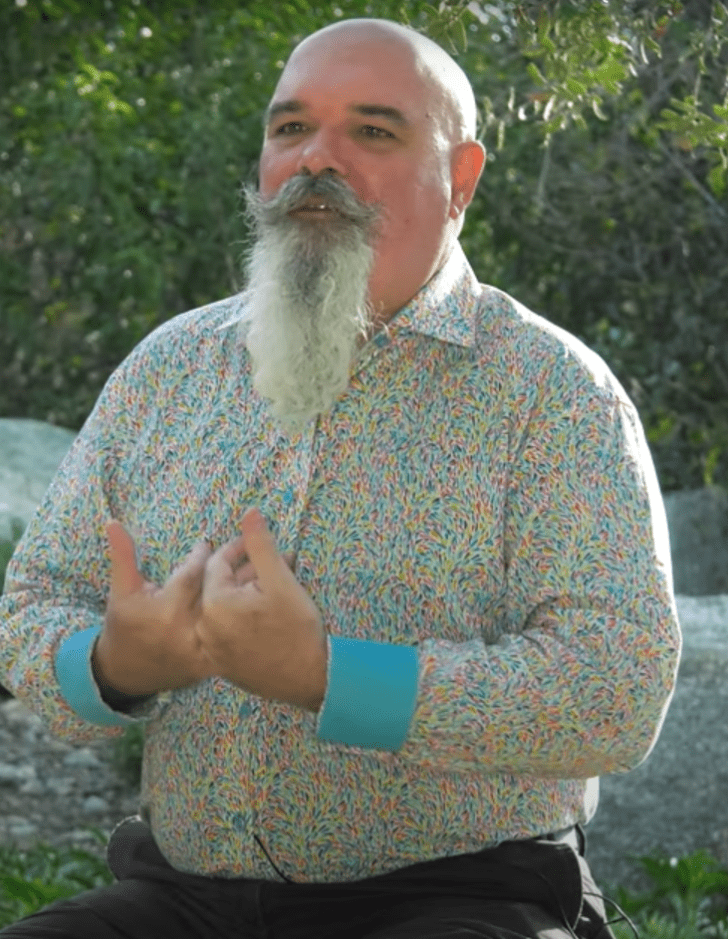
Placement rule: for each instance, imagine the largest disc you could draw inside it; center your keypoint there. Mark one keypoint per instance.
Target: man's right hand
(148, 643)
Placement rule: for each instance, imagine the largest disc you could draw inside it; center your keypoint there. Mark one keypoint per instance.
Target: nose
(320, 155)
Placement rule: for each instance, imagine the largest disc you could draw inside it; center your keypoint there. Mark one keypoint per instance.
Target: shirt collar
(445, 308)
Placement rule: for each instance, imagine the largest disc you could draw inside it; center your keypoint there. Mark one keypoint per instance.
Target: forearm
(43, 662)
(545, 705)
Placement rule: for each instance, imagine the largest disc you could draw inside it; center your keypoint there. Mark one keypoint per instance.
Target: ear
(468, 161)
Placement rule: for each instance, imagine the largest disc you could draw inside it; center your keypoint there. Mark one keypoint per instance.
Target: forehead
(349, 70)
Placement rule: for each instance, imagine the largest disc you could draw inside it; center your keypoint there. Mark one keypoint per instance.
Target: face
(351, 217)
(358, 107)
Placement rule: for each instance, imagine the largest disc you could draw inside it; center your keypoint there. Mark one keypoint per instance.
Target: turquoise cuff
(371, 694)
(75, 677)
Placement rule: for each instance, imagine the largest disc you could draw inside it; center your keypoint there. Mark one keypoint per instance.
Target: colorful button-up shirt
(479, 522)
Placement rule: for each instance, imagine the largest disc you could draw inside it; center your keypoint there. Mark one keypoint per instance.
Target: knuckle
(188, 579)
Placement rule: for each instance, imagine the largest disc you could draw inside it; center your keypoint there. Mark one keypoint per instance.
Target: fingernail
(258, 518)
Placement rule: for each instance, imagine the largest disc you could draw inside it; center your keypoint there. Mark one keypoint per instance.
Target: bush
(32, 879)
(128, 129)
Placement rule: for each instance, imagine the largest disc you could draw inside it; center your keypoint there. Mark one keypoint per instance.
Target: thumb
(270, 565)
(125, 578)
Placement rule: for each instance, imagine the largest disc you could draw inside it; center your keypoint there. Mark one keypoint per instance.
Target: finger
(246, 572)
(125, 577)
(270, 565)
(188, 573)
(224, 565)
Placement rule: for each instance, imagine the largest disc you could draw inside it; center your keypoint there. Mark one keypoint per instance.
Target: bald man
(376, 556)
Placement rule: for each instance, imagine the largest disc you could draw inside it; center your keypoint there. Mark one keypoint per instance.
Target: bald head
(384, 117)
(446, 85)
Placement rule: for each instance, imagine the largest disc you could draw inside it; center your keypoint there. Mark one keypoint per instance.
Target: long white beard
(307, 284)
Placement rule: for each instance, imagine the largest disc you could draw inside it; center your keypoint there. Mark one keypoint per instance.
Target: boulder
(698, 523)
(676, 801)
(30, 453)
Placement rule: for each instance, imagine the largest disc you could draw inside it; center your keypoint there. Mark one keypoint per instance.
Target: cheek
(270, 175)
(416, 203)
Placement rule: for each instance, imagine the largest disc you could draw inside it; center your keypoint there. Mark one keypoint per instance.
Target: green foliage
(687, 899)
(128, 127)
(32, 879)
(6, 552)
(127, 754)
(588, 52)
(605, 227)
(581, 60)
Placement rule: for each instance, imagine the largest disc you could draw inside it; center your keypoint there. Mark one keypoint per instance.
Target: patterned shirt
(479, 522)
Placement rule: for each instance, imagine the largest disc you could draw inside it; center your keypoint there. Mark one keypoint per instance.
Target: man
(392, 728)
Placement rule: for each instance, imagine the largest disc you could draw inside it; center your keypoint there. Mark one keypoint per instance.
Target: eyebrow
(294, 106)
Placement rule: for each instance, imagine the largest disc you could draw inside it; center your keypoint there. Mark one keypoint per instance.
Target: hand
(259, 627)
(148, 642)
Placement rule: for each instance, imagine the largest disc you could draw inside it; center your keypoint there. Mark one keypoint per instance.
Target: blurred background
(127, 128)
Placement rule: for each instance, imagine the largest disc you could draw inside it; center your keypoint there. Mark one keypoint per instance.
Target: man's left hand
(259, 626)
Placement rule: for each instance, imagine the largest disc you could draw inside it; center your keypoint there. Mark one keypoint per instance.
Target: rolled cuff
(75, 677)
(371, 694)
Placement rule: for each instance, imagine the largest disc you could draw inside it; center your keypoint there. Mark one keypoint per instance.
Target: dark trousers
(535, 889)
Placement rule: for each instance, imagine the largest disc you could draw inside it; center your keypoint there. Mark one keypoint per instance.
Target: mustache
(295, 191)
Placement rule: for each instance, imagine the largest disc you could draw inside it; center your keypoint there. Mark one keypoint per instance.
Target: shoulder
(537, 355)
(194, 338)
(200, 327)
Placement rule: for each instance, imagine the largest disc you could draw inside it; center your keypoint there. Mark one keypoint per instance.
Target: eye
(370, 130)
(290, 127)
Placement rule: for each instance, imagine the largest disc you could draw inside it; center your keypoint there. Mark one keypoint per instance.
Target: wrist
(319, 675)
(115, 699)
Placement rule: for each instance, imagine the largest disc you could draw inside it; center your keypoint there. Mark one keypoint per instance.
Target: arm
(57, 581)
(578, 683)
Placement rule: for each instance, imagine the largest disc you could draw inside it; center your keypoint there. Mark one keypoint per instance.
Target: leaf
(33, 894)
(611, 72)
(533, 71)
(575, 87)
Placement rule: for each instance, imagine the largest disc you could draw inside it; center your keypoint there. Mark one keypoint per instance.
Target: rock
(95, 804)
(30, 453)
(52, 799)
(698, 523)
(676, 802)
(61, 787)
(81, 757)
(18, 717)
(14, 775)
(21, 828)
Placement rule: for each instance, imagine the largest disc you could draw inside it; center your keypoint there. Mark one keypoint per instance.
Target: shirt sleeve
(579, 680)
(57, 580)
